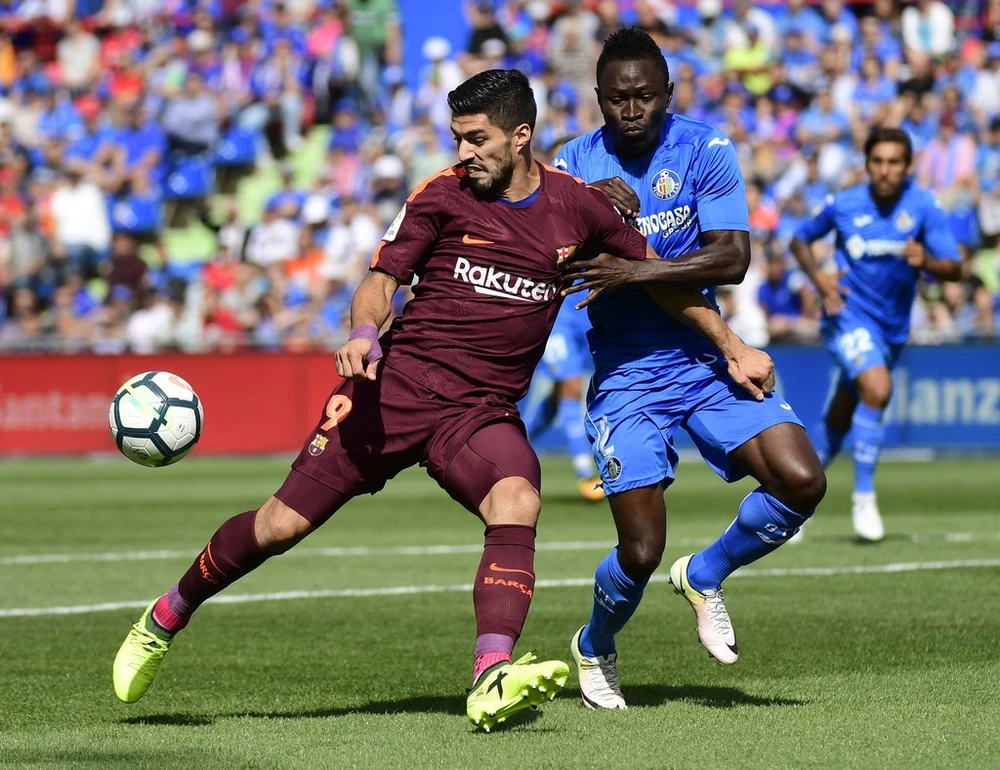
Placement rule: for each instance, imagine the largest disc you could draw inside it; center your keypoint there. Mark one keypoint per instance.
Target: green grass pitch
(845, 662)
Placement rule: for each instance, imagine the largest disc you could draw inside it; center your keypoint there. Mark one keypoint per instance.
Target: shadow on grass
(425, 704)
(700, 695)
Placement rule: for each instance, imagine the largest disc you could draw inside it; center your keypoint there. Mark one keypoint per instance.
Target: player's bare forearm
(372, 302)
(803, 254)
(358, 358)
(752, 370)
(689, 307)
(724, 258)
(944, 269)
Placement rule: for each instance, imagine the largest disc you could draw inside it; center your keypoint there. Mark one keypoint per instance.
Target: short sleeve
(937, 235)
(721, 194)
(605, 229)
(822, 221)
(568, 159)
(408, 239)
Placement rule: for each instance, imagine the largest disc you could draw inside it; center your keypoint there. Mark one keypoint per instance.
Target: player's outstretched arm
(723, 260)
(358, 358)
(751, 369)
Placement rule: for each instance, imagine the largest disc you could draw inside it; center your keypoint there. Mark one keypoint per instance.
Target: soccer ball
(156, 418)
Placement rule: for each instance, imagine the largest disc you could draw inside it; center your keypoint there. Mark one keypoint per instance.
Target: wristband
(370, 333)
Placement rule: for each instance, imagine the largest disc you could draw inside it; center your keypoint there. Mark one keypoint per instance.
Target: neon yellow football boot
(138, 660)
(507, 688)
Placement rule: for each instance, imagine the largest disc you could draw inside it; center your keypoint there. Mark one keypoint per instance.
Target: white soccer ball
(156, 418)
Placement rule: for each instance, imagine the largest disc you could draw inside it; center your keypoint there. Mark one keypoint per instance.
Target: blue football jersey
(869, 247)
(691, 183)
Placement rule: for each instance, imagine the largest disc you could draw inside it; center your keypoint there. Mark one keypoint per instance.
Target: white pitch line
(423, 550)
(874, 569)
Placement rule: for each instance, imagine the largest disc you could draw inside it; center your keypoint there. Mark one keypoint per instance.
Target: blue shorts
(631, 431)
(857, 345)
(567, 353)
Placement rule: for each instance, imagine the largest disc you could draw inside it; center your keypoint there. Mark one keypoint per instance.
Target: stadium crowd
(123, 123)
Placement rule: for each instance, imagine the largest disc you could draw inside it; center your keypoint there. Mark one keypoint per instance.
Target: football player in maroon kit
(489, 240)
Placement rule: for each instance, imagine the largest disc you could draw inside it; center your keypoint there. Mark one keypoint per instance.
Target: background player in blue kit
(567, 361)
(680, 181)
(882, 230)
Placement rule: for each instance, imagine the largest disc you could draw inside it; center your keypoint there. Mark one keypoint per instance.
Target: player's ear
(670, 95)
(521, 136)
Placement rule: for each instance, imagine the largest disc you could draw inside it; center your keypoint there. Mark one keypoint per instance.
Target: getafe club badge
(318, 445)
(904, 222)
(666, 184)
(564, 252)
(614, 468)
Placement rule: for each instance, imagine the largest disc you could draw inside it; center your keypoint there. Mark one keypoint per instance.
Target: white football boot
(865, 517)
(715, 629)
(598, 676)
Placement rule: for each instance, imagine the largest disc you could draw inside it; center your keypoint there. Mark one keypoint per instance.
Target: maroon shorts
(370, 431)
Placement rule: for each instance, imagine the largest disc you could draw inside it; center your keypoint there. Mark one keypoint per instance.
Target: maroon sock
(502, 592)
(232, 553)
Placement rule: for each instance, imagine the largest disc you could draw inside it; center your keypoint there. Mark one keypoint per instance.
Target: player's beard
(496, 184)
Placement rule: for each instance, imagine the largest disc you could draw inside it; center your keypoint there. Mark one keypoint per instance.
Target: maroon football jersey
(488, 275)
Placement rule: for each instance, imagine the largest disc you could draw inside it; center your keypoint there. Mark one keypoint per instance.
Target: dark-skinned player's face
(487, 152)
(887, 168)
(634, 97)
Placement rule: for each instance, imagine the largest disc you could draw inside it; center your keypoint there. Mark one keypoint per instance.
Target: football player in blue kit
(567, 362)
(884, 231)
(680, 181)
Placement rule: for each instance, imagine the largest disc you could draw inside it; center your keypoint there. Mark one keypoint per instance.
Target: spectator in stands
(273, 240)
(25, 255)
(126, 268)
(978, 321)
(191, 119)
(872, 93)
(138, 145)
(23, 330)
(78, 54)
(988, 175)
(276, 85)
(928, 28)
(375, 27)
(483, 26)
(150, 328)
(833, 14)
(948, 167)
(803, 20)
(287, 201)
(110, 330)
(746, 18)
(787, 302)
(80, 213)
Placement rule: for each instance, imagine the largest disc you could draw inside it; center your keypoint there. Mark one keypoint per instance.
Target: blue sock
(571, 417)
(616, 597)
(538, 416)
(761, 525)
(827, 441)
(868, 434)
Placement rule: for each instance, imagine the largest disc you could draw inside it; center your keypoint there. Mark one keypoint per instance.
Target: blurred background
(203, 175)
(212, 176)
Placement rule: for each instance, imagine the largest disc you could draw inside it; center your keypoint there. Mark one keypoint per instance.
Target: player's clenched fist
(358, 358)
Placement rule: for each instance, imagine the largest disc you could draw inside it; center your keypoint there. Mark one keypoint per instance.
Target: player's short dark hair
(504, 96)
(632, 44)
(884, 134)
